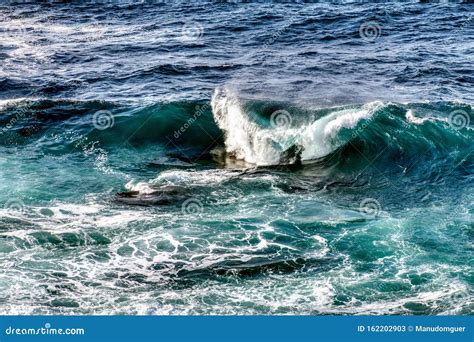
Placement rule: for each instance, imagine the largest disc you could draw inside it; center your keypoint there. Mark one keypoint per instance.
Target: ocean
(236, 158)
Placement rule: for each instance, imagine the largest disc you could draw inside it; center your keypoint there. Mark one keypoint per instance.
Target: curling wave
(263, 134)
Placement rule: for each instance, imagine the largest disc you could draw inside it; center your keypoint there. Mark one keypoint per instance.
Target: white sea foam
(181, 178)
(413, 119)
(8, 102)
(258, 145)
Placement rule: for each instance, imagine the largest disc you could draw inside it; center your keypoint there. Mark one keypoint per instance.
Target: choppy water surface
(236, 159)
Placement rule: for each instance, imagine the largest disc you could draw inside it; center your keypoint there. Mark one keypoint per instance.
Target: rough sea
(236, 158)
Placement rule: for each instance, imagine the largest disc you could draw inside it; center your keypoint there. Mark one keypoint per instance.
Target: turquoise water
(224, 183)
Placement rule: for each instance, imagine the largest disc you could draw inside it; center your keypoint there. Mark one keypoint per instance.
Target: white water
(248, 141)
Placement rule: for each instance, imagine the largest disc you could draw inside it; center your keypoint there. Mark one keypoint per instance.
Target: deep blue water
(236, 158)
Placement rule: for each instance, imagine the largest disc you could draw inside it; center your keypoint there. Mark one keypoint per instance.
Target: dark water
(236, 158)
